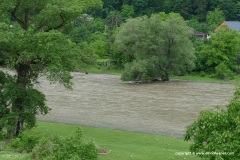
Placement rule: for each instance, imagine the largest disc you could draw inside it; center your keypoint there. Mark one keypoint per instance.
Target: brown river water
(105, 101)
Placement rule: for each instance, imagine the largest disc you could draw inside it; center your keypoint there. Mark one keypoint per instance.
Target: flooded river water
(104, 101)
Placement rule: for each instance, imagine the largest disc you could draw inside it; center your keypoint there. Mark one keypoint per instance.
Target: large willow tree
(32, 45)
(154, 47)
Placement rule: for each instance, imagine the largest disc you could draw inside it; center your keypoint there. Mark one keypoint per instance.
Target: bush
(25, 142)
(71, 148)
(223, 72)
(202, 74)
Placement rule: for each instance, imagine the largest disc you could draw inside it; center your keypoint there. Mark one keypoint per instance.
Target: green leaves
(32, 44)
(160, 44)
(220, 53)
(33, 102)
(214, 19)
(72, 147)
(41, 15)
(217, 131)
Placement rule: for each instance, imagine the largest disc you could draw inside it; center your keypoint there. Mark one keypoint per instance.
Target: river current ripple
(102, 100)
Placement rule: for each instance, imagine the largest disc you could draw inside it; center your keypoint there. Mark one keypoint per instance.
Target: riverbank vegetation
(113, 144)
(217, 131)
(145, 40)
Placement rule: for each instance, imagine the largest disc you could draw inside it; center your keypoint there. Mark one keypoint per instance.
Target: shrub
(25, 142)
(202, 74)
(223, 72)
(71, 148)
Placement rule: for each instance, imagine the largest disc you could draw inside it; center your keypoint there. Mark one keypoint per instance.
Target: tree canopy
(155, 47)
(187, 8)
(32, 44)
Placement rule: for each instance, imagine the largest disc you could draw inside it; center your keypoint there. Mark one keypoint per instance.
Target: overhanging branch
(13, 13)
(63, 23)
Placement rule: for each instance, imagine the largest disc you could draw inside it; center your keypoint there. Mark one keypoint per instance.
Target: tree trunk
(19, 125)
(22, 83)
(165, 77)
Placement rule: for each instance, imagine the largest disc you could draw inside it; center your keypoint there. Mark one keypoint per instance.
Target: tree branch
(64, 22)
(13, 13)
(40, 26)
(26, 18)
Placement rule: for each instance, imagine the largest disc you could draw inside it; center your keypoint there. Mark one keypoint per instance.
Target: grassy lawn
(122, 145)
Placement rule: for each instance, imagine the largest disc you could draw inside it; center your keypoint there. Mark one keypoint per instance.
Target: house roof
(197, 33)
(233, 25)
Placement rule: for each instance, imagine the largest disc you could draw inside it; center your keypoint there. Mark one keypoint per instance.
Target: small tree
(159, 45)
(217, 132)
(214, 19)
(31, 44)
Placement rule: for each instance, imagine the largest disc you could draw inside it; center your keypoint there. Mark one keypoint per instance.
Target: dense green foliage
(95, 31)
(25, 142)
(41, 146)
(32, 101)
(52, 38)
(189, 9)
(55, 148)
(217, 131)
(155, 47)
(219, 54)
(32, 44)
(214, 18)
(202, 15)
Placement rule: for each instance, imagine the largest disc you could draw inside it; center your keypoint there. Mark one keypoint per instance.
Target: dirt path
(104, 101)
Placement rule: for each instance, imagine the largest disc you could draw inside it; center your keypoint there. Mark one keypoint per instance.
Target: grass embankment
(190, 77)
(104, 66)
(198, 78)
(104, 70)
(122, 145)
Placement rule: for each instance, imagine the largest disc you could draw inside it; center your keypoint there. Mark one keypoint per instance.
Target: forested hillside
(96, 30)
(189, 9)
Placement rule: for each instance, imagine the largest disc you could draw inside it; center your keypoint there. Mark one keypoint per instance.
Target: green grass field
(122, 145)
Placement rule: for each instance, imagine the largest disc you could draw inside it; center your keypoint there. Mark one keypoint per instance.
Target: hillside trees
(32, 45)
(187, 8)
(155, 47)
(90, 35)
(214, 19)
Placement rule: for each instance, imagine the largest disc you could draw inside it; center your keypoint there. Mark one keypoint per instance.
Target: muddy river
(104, 101)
